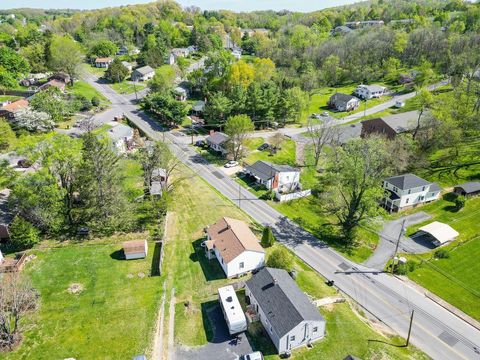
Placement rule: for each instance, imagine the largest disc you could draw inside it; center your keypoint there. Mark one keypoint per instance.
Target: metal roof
(440, 231)
(283, 303)
(144, 70)
(470, 187)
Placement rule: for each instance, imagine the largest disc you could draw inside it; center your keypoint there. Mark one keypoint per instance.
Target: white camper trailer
(232, 311)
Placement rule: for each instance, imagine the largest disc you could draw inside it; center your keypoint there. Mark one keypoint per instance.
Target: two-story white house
(286, 313)
(235, 246)
(281, 178)
(370, 91)
(407, 191)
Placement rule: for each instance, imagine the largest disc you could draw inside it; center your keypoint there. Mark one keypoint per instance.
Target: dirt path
(157, 352)
(171, 327)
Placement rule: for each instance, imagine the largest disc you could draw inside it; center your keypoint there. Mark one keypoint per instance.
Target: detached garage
(468, 189)
(440, 233)
(136, 249)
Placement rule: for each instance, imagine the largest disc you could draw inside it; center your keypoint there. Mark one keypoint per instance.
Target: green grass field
(127, 87)
(454, 279)
(9, 98)
(197, 282)
(84, 89)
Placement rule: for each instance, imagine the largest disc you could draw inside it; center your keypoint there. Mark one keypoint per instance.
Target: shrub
(442, 254)
(281, 258)
(95, 101)
(460, 202)
(268, 239)
(269, 195)
(85, 103)
(23, 234)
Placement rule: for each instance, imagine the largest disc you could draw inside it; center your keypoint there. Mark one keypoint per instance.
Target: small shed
(135, 249)
(439, 232)
(468, 189)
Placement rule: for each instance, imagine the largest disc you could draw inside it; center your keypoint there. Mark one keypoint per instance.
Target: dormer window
(409, 191)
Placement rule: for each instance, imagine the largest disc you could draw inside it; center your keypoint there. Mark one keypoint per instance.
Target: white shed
(440, 232)
(136, 249)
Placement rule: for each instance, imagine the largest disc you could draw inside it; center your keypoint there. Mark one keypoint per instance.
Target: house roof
(232, 237)
(155, 188)
(339, 98)
(199, 106)
(16, 105)
(55, 83)
(283, 303)
(470, 187)
(180, 90)
(134, 246)
(217, 138)
(348, 132)
(407, 181)
(5, 214)
(119, 131)
(373, 88)
(126, 64)
(440, 231)
(144, 70)
(435, 187)
(402, 122)
(265, 170)
(103, 60)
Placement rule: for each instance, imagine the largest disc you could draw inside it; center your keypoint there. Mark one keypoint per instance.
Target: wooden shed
(136, 249)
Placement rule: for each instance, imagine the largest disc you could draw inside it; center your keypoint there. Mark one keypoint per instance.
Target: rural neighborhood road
(436, 331)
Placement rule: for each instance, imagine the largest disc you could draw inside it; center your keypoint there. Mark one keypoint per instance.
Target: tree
(116, 72)
(355, 175)
(65, 55)
(168, 110)
(12, 62)
(8, 136)
(292, 104)
(154, 51)
(35, 55)
(425, 101)
(217, 109)
(52, 102)
(7, 81)
(241, 74)
(264, 69)
(331, 70)
(237, 128)
(103, 48)
(17, 299)
(460, 202)
(32, 120)
(268, 239)
(281, 258)
(163, 80)
(23, 235)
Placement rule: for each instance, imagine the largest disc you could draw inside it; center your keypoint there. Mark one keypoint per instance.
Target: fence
(292, 196)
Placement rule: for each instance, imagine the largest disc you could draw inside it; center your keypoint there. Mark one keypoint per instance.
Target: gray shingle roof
(119, 132)
(470, 187)
(407, 181)
(265, 170)
(144, 70)
(402, 122)
(217, 138)
(435, 187)
(339, 98)
(374, 88)
(283, 303)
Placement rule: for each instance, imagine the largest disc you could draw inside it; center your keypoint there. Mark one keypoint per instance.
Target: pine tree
(268, 239)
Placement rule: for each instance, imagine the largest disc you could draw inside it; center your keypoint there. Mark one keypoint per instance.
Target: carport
(439, 232)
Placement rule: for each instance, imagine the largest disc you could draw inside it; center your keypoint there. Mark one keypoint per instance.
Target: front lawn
(81, 88)
(127, 87)
(284, 156)
(111, 318)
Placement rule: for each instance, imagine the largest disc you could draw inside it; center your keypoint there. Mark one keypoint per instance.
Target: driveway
(388, 240)
(221, 346)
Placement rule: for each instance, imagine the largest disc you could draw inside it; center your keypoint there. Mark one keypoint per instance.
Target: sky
(235, 5)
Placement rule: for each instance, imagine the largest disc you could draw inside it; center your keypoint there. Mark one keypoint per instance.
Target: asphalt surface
(435, 330)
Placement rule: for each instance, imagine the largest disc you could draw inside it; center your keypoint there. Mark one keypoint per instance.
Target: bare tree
(321, 134)
(17, 298)
(276, 141)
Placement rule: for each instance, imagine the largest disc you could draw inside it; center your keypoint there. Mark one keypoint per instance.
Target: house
(282, 178)
(180, 93)
(368, 92)
(60, 76)
(123, 50)
(217, 141)
(121, 136)
(363, 24)
(198, 107)
(407, 191)
(343, 30)
(143, 73)
(5, 215)
(468, 189)
(9, 110)
(235, 246)
(135, 249)
(178, 53)
(438, 232)
(392, 125)
(343, 102)
(286, 313)
(237, 53)
(127, 65)
(103, 62)
(53, 83)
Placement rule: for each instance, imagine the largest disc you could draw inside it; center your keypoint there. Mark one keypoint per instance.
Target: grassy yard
(197, 282)
(112, 318)
(81, 88)
(284, 156)
(455, 279)
(94, 70)
(127, 87)
(9, 98)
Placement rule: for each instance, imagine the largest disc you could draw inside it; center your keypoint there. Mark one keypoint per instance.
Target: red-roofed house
(9, 110)
(103, 62)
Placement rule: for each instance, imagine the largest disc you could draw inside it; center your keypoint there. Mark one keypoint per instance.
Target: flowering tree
(32, 120)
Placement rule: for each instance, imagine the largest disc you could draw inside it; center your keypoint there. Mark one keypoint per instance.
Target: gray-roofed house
(143, 73)
(198, 107)
(121, 135)
(370, 91)
(127, 65)
(468, 189)
(282, 178)
(346, 133)
(407, 191)
(288, 316)
(5, 215)
(181, 93)
(392, 125)
(217, 141)
(343, 102)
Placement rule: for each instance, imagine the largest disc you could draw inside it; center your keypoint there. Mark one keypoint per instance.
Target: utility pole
(135, 88)
(410, 328)
(239, 196)
(402, 232)
(191, 130)
(365, 109)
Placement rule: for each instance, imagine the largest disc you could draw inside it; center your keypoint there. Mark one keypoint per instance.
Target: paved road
(435, 330)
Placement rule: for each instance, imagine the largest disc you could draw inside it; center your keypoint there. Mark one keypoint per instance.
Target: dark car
(200, 143)
(264, 146)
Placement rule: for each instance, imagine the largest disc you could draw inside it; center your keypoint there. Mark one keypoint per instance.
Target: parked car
(200, 143)
(257, 355)
(231, 164)
(399, 104)
(316, 116)
(264, 146)
(325, 113)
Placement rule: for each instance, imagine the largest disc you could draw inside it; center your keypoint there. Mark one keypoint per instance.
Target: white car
(257, 355)
(231, 164)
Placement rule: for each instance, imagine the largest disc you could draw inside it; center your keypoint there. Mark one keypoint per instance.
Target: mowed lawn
(455, 279)
(112, 318)
(197, 279)
(127, 87)
(81, 88)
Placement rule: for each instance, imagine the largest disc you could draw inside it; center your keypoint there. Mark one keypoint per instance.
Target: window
(315, 329)
(407, 201)
(409, 191)
(292, 338)
(423, 188)
(242, 265)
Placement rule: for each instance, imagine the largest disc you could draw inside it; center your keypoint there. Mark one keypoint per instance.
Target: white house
(282, 178)
(103, 62)
(343, 102)
(407, 191)
(235, 246)
(143, 73)
(127, 65)
(286, 313)
(135, 249)
(121, 135)
(370, 91)
(217, 141)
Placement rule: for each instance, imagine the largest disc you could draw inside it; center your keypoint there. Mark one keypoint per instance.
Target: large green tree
(238, 128)
(65, 55)
(12, 62)
(116, 72)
